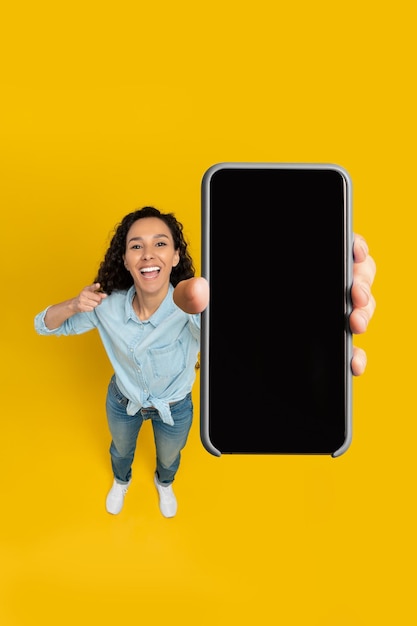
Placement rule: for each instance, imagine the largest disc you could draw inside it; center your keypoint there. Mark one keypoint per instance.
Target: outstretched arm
(192, 295)
(87, 300)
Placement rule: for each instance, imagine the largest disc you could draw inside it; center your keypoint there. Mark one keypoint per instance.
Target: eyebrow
(153, 237)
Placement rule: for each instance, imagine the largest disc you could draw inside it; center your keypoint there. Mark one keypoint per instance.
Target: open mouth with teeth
(150, 272)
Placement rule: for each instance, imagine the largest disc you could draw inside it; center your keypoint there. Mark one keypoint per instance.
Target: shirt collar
(161, 312)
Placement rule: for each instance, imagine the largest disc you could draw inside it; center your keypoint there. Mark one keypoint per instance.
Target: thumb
(96, 288)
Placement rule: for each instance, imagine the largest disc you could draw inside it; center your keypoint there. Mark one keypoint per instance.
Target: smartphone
(277, 250)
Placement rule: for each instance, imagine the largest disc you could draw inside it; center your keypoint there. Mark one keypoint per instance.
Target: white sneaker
(116, 496)
(167, 499)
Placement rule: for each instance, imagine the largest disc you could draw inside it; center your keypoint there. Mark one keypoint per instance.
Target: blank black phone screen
(276, 348)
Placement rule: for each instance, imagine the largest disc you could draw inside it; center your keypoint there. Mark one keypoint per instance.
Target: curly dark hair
(112, 274)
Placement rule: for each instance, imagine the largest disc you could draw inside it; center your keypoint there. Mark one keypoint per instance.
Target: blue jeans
(124, 429)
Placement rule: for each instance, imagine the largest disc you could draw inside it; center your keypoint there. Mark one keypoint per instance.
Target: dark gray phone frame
(348, 261)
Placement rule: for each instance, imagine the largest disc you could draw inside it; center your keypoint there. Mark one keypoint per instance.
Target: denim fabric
(124, 429)
(154, 361)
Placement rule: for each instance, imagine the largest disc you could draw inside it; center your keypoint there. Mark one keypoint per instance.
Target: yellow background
(106, 107)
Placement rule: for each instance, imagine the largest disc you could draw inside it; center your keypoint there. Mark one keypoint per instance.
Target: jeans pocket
(117, 394)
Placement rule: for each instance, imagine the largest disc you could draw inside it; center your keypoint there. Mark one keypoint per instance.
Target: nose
(147, 253)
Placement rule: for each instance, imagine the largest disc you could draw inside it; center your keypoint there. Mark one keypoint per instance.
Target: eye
(160, 244)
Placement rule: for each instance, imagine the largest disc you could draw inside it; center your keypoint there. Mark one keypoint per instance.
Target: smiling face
(150, 255)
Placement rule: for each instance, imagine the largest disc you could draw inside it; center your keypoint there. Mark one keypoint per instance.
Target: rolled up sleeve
(75, 325)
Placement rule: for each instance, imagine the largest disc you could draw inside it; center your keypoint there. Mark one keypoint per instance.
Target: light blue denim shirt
(153, 361)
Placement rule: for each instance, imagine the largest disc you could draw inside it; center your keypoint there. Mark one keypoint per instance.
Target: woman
(145, 303)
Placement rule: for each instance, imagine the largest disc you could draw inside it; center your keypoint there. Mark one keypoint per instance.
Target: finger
(99, 292)
(89, 298)
(361, 316)
(365, 270)
(359, 361)
(360, 248)
(93, 288)
(360, 293)
(363, 278)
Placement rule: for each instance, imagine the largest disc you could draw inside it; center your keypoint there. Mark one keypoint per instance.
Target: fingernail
(364, 247)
